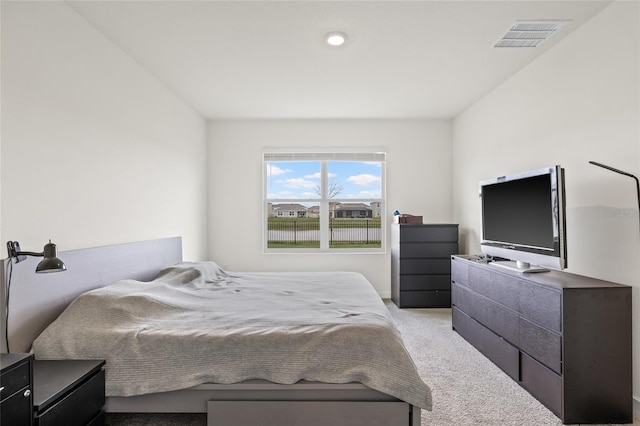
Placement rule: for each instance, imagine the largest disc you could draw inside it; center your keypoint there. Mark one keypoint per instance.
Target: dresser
(565, 338)
(421, 264)
(16, 389)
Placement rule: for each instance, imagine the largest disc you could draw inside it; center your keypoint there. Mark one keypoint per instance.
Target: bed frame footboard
(261, 403)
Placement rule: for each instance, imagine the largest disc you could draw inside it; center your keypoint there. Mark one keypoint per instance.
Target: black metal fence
(305, 233)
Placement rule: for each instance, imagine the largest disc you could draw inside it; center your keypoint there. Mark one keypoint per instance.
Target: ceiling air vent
(529, 33)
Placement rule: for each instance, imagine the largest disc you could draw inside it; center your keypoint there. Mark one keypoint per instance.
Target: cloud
(363, 179)
(317, 176)
(276, 171)
(300, 183)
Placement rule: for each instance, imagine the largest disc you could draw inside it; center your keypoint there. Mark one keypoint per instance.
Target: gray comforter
(195, 324)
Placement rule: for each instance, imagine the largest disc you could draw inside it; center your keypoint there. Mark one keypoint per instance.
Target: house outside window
(324, 202)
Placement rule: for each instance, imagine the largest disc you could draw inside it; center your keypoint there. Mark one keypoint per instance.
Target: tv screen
(519, 211)
(523, 218)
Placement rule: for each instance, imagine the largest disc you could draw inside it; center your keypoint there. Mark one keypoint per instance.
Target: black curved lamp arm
(27, 253)
(613, 169)
(14, 251)
(50, 263)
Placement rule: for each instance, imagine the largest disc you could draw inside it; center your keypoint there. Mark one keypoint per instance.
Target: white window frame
(323, 158)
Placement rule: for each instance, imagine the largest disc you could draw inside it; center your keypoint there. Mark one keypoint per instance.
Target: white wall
(95, 150)
(577, 102)
(418, 182)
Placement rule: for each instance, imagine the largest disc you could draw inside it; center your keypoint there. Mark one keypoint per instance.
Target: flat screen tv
(523, 220)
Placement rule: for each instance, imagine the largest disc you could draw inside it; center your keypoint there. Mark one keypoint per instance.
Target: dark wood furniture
(565, 338)
(421, 265)
(68, 393)
(16, 396)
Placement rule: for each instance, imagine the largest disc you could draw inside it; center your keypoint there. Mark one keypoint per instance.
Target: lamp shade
(51, 262)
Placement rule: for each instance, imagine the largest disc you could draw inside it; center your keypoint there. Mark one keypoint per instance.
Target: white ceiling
(267, 59)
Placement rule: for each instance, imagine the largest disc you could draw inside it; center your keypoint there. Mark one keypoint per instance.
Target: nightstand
(68, 392)
(16, 396)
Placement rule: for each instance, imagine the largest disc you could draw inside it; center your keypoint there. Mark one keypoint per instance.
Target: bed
(290, 348)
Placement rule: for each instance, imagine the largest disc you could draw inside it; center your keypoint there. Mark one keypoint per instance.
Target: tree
(333, 189)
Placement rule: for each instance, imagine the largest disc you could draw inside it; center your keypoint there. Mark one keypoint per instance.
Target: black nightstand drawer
(79, 407)
(69, 392)
(14, 409)
(15, 379)
(98, 420)
(16, 392)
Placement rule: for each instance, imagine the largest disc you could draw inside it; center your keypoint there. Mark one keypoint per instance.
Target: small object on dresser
(408, 219)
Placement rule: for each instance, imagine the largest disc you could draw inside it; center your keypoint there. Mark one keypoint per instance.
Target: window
(324, 202)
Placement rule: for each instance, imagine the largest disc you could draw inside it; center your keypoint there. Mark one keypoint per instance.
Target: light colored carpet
(468, 389)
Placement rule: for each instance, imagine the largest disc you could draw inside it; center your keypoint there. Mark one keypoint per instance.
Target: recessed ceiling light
(335, 38)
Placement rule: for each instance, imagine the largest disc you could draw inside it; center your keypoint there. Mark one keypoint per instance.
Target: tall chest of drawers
(421, 265)
(565, 338)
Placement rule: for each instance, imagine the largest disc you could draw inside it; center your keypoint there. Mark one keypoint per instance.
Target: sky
(301, 179)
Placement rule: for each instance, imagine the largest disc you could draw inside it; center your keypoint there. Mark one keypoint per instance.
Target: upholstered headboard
(37, 299)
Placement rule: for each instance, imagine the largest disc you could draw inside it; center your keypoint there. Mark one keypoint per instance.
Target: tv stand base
(517, 266)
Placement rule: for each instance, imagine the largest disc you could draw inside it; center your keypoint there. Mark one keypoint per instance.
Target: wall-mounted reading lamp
(613, 169)
(50, 263)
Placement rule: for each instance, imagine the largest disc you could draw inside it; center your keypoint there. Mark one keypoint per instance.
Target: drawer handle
(27, 393)
(2, 388)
